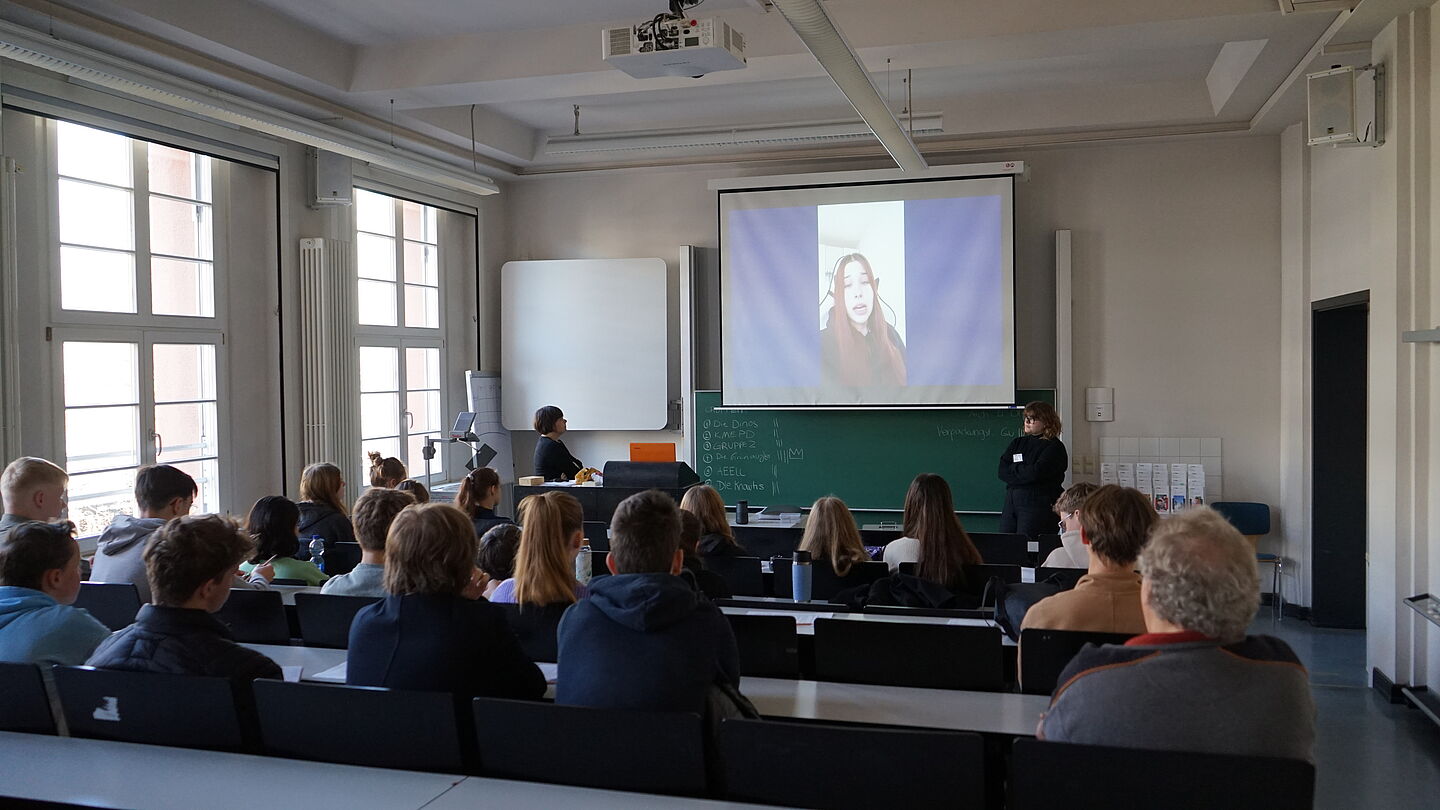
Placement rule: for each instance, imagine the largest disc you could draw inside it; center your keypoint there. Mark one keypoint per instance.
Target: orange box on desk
(652, 451)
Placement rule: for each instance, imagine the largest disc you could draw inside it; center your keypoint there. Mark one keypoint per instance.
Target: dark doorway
(1338, 417)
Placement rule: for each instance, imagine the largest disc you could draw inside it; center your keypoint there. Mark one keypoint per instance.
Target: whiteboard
(589, 336)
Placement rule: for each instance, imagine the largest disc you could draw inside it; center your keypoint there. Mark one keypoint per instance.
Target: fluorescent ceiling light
(828, 45)
(78, 62)
(711, 138)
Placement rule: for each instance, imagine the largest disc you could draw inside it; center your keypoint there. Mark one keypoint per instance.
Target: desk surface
(103, 773)
(287, 592)
(988, 712)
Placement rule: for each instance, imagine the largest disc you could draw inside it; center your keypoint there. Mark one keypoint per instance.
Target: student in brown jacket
(1115, 524)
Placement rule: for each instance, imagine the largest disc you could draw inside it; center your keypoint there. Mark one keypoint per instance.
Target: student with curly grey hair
(1194, 681)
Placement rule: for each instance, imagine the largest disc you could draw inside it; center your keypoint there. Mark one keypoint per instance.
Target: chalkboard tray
(864, 457)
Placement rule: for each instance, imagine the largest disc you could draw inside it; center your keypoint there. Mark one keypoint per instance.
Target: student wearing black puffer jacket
(190, 563)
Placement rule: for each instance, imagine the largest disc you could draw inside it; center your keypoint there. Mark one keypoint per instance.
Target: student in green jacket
(274, 525)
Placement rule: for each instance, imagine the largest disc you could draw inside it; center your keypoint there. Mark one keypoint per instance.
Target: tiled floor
(1368, 753)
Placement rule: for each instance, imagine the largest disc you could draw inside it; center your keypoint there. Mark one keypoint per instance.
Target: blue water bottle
(317, 551)
(800, 576)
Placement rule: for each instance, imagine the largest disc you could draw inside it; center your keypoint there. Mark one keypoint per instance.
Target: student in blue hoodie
(39, 580)
(645, 639)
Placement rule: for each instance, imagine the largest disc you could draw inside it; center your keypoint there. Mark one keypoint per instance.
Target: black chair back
(255, 617)
(798, 765)
(769, 646)
(325, 618)
(1061, 776)
(933, 656)
(654, 752)
(1047, 543)
(186, 711)
(24, 703)
(341, 558)
(114, 604)
(536, 628)
(742, 574)
(360, 725)
(998, 548)
(1046, 653)
(824, 582)
(597, 534)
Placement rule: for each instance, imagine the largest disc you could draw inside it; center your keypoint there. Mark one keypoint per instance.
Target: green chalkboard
(866, 458)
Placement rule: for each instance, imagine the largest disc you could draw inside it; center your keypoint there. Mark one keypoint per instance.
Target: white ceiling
(512, 69)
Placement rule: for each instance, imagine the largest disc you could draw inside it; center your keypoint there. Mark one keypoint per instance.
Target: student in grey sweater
(374, 512)
(1194, 681)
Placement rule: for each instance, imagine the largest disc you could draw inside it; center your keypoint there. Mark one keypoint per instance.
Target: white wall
(1176, 268)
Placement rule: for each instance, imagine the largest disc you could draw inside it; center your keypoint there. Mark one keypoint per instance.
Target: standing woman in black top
(553, 461)
(1033, 469)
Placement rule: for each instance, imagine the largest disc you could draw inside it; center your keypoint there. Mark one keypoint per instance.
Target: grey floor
(1368, 752)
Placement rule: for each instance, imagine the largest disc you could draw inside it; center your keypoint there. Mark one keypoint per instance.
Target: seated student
(717, 540)
(190, 562)
(374, 511)
(433, 632)
(415, 490)
(704, 580)
(1115, 523)
(39, 580)
(644, 639)
(386, 472)
(478, 494)
(934, 538)
(32, 489)
(273, 522)
(496, 558)
(831, 536)
(550, 540)
(1073, 552)
(1195, 681)
(162, 492)
(322, 505)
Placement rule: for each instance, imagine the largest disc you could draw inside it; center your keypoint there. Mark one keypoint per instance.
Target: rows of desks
(1001, 713)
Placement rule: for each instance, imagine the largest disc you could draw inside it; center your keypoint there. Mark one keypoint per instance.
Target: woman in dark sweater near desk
(718, 540)
(1033, 469)
(553, 461)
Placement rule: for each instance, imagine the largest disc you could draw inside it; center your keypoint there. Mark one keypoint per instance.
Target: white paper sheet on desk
(335, 674)
(550, 671)
(800, 618)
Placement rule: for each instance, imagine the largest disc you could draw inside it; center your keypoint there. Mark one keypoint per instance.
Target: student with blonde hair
(717, 540)
(551, 535)
(386, 471)
(433, 632)
(32, 489)
(477, 497)
(831, 536)
(322, 505)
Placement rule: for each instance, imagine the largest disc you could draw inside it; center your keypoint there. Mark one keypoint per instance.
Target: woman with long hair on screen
(858, 347)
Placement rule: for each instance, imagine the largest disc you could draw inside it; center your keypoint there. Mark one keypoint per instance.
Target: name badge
(1018, 457)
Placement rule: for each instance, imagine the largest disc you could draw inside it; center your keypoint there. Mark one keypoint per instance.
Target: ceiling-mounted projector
(674, 47)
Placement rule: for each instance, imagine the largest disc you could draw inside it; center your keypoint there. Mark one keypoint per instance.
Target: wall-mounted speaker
(330, 180)
(1344, 106)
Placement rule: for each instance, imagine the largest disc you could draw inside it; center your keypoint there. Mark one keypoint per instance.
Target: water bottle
(582, 565)
(317, 551)
(742, 512)
(800, 576)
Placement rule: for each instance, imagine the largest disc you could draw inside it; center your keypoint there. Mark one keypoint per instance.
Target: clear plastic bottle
(582, 565)
(317, 551)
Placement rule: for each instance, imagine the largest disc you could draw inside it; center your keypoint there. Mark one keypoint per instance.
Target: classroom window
(136, 226)
(397, 262)
(400, 403)
(132, 399)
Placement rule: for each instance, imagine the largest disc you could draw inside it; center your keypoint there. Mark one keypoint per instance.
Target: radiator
(330, 384)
